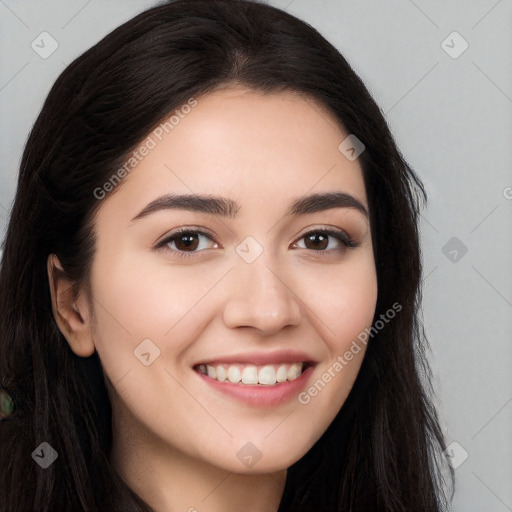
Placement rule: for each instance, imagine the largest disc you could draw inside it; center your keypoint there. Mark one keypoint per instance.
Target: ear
(71, 312)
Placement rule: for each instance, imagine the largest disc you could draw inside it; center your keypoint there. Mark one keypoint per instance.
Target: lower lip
(261, 395)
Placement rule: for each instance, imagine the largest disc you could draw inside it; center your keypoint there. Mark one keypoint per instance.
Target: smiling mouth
(249, 374)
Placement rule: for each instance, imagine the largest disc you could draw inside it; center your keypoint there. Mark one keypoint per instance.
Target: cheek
(146, 297)
(140, 298)
(343, 299)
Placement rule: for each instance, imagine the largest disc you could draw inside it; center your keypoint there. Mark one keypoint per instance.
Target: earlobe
(70, 312)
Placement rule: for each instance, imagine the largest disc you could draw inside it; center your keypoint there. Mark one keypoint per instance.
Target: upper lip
(260, 358)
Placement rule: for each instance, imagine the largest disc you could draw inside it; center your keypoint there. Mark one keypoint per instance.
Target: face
(260, 287)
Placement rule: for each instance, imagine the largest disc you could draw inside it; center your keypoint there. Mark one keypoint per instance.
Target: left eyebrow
(218, 205)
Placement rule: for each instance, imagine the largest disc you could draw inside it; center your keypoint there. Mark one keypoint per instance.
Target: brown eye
(319, 240)
(186, 242)
(316, 241)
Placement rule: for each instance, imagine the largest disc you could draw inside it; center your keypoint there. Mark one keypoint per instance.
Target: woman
(210, 281)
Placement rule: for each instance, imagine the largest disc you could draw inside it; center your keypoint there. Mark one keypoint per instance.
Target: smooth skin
(176, 438)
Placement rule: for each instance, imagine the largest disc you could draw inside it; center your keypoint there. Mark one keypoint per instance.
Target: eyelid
(330, 230)
(164, 240)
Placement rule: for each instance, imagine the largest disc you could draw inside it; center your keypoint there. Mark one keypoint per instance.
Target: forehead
(256, 148)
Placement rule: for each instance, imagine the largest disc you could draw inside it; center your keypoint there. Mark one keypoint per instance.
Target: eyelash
(343, 237)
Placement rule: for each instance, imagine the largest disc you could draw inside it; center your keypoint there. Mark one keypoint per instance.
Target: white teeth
(294, 371)
(234, 374)
(221, 373)
(250, 375)
(267, 375)
(281, 373)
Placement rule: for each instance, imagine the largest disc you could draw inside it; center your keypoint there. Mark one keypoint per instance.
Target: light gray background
(452, 119)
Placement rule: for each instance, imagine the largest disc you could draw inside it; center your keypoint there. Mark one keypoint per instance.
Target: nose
(261, 297)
